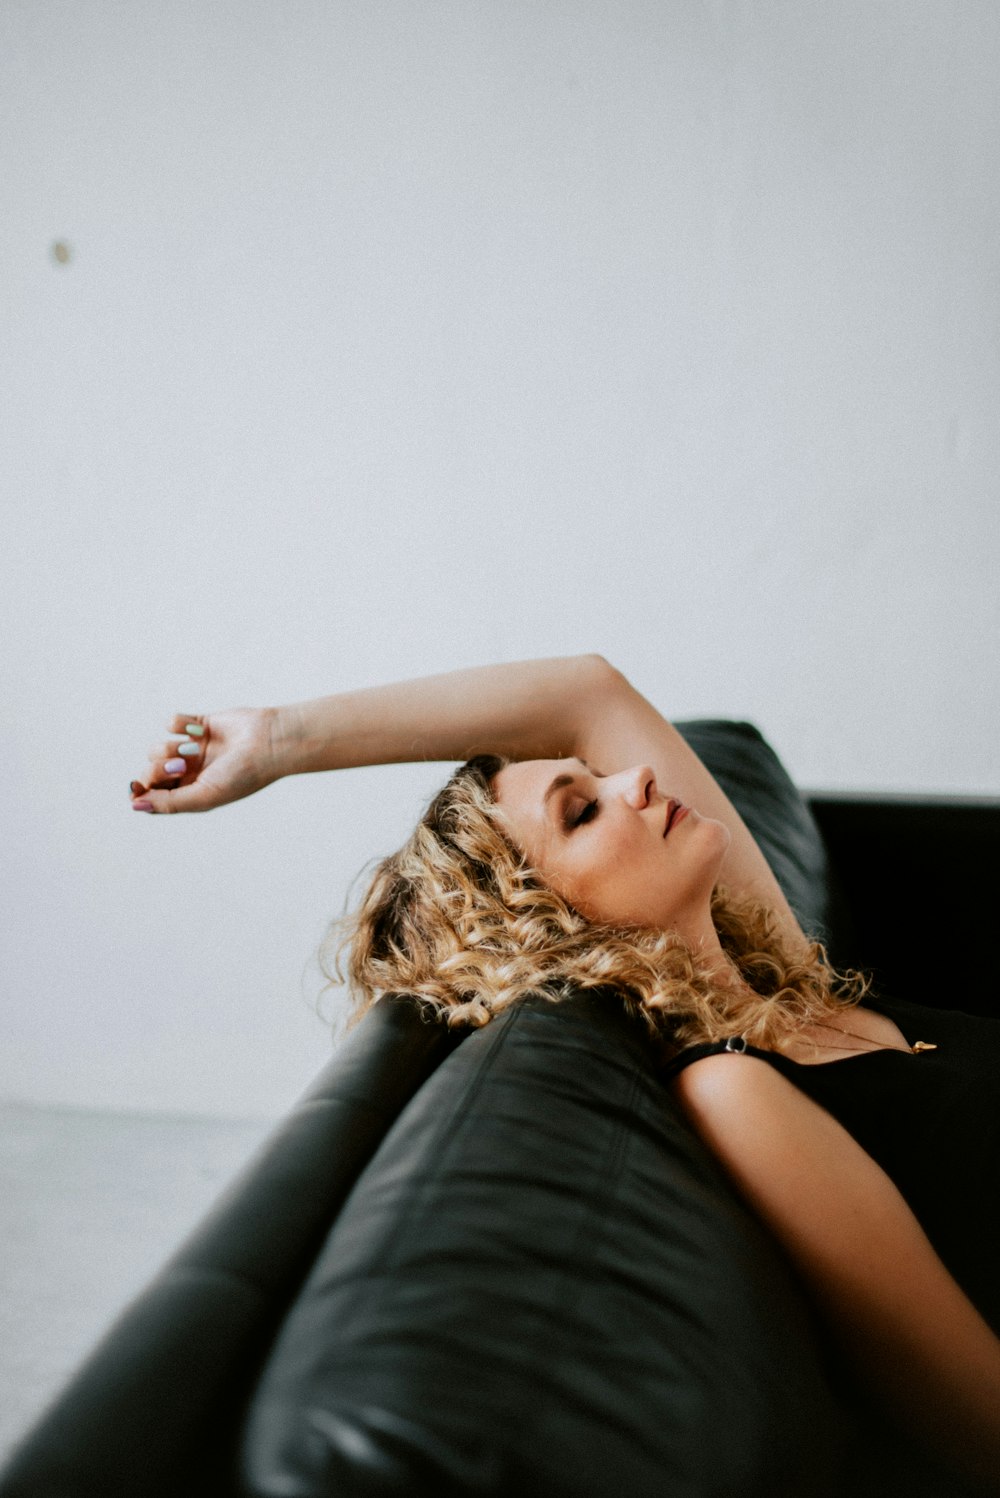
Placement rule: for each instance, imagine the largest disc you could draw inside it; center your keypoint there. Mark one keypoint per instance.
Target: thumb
(194, 797)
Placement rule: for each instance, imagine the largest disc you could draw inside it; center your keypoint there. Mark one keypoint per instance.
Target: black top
(930, 1120)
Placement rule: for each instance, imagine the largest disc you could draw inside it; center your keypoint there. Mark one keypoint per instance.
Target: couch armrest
(920, 877)
(153, 1411)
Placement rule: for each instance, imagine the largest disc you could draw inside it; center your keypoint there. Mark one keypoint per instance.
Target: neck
(709, 949)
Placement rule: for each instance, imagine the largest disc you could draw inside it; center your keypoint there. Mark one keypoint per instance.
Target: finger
(174, 764)
(178, 755)
(166, 770)
(159, 801)
(188, 738)
(169, 770)
(192, 725)
(179, 747)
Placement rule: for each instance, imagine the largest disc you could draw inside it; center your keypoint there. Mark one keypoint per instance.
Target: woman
(583, 842)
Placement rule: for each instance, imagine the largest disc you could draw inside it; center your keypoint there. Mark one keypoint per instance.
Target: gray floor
(91, 1205)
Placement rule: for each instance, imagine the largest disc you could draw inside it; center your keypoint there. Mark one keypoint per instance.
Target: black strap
(733, 1043)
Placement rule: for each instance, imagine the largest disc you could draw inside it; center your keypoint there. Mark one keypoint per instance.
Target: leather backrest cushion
(542, 1284)
(759, 786)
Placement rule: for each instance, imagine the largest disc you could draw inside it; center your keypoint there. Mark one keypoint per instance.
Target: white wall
(397, 337)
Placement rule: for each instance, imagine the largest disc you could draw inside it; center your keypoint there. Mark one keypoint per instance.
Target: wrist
(288, 740)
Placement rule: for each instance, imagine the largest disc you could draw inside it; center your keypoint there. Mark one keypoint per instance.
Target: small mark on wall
(61, 252)
(958, 439)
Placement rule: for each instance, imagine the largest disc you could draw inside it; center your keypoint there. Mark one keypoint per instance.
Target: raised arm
(542, 709)
(525, 710)
(914, 1336)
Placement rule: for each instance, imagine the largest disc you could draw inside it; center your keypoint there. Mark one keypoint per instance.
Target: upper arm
(619, 728)
(827, 1201)
(857, 1245)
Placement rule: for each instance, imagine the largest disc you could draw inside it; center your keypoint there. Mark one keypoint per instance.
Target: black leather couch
(501, 1263)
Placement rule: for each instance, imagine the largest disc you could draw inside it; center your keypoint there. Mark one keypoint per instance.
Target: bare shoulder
(729, 1080)
(755, 1119)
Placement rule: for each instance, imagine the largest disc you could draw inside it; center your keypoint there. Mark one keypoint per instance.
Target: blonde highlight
(459, 919)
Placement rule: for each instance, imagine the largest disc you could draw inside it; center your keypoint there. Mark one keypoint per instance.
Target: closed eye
(587, 813)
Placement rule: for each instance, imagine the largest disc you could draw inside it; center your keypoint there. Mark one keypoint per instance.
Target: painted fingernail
(136, 787)
(142, 806)
(175, 766)
(195, 730)
(188, 748)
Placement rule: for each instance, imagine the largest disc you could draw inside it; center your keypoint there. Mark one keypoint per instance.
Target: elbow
(606, 684)
(597, 687)
(599, 673)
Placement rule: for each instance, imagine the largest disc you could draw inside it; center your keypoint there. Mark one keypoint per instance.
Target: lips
(675, 811)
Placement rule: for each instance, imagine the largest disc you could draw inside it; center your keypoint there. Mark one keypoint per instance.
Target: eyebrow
(557, 785)
(561, 781)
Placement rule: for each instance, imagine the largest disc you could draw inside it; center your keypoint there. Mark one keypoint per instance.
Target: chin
(719, 833)
(717, 838)
(710, 827)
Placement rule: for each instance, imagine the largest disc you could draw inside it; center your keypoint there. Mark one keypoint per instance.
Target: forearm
(938, 1363)
(525, 710)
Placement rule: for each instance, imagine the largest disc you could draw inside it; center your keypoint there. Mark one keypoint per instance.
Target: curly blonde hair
(458, 918)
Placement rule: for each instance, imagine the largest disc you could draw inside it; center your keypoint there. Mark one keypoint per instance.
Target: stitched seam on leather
(580, 1259)
(452, 1132)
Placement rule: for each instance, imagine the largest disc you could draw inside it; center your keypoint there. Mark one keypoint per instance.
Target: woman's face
(614, 846)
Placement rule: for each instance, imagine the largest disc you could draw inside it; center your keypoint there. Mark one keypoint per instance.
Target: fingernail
(188, 748)
(195, 730)
(175, 766)
(136, 787)
(142, 806)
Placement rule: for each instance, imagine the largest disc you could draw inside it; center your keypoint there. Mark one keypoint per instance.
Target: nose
(638, 786)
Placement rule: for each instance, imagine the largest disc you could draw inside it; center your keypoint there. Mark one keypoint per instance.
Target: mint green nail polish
(187, 748)
(195, 730)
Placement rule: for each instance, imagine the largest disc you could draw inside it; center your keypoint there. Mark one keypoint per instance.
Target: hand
(232, 756)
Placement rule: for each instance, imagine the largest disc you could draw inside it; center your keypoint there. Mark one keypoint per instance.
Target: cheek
(572, 884)
(520, 834)
(595, 876)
